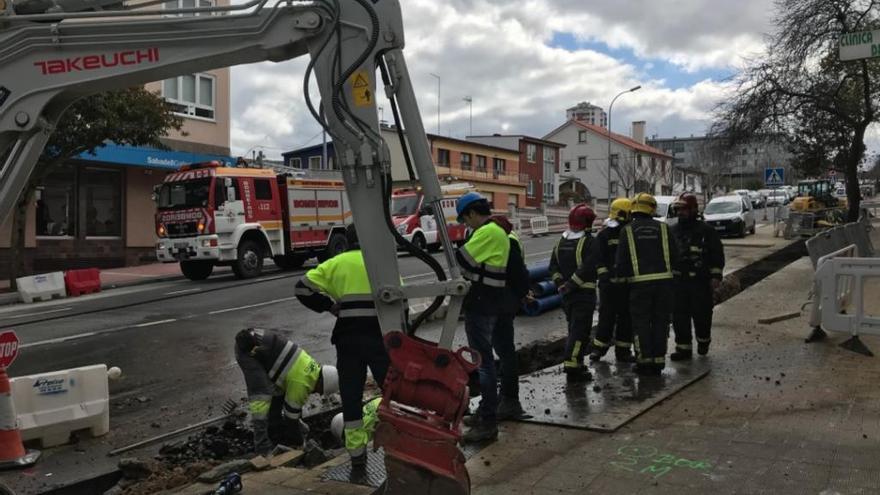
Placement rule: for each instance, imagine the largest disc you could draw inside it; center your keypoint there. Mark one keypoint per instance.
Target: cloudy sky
(525, 61)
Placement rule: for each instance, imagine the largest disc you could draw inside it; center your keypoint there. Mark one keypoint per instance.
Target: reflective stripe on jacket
(483, 261)
(359, 433)
(574, 262)
(646, 252)
(608, 240)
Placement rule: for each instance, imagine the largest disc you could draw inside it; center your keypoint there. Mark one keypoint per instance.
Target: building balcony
(483, 176)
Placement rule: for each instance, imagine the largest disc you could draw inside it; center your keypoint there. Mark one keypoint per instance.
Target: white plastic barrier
(51, 406)
(540, 225)
(41, 287)
(851, 273)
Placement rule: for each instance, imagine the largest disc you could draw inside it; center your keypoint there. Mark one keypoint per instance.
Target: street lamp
(609, 139)
(438, 101)
(470, 102)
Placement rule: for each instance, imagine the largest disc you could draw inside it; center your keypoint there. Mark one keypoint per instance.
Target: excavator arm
(53, 52)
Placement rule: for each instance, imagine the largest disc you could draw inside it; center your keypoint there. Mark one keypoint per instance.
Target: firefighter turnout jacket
(607, 241)
(483, 261)
(575, 262)
(647, 252)
(700, 252)
(342, 281)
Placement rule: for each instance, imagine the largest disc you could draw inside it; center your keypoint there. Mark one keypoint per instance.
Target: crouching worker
(279, 376)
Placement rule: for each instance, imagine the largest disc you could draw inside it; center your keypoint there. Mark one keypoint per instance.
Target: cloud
(498, 52)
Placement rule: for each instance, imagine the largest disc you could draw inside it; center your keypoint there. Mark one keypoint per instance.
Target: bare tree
(713, 159)
(801, 90)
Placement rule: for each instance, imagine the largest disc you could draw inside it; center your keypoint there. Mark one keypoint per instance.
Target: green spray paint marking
(649, 461)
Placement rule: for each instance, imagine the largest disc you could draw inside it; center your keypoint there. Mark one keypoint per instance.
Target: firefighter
(701, 267)
(483, 261)
(279, 376)
(646, 256)
(573, 268)
(614, 322)
(370, 414)
(340, 285)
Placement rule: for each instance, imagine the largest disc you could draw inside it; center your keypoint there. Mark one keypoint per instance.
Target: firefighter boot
(482, 432)
(682, 355)
(702, 348)
(598, 352)
(623, 355)
(508, 409)
(648, 369)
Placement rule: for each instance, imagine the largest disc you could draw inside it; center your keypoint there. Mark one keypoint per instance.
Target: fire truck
(209, 215)
(416, 222)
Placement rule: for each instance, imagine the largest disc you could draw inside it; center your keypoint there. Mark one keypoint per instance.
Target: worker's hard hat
(644, 203)
(466, 200)
(687, 201)
(337, 426)
(331, 379)
(620, 209)
(581, 217)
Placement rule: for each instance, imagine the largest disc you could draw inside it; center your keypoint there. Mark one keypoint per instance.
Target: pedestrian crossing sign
(774, 177)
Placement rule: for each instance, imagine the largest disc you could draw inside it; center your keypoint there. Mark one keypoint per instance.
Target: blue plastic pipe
(544, 288)
(542, 305)
(539, 272)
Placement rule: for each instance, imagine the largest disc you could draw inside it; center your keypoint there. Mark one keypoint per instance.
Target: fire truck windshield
(186, 194)
(404, 206)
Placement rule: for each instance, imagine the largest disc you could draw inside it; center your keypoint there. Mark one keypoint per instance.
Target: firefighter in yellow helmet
(646, 257)
(614, 326)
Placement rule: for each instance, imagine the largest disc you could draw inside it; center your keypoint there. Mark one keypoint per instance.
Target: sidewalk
(774, 416)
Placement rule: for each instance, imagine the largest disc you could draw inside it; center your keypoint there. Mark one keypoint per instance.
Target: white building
(636, 167)
(589, 113)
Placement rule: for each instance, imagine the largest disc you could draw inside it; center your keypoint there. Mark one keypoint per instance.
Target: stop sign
(8, 348)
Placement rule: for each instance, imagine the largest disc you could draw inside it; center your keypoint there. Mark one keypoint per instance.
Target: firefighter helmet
(688, 202)
(337, 427)
(620, 209)
(644, 203)
(580, 218)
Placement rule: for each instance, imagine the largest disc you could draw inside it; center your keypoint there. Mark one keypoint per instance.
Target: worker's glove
(716, 283)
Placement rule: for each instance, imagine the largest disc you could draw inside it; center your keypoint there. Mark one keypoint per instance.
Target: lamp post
(438, 101)
(630, 90)
(470, 102)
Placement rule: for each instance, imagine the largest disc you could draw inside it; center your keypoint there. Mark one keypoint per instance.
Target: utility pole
(636, 88)
(470, 102)
(438, 101)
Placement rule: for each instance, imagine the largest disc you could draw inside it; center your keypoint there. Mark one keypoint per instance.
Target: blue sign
(774, 177)
(150, 157)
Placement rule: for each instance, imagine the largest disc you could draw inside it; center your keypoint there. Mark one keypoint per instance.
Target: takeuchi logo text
(95, 62)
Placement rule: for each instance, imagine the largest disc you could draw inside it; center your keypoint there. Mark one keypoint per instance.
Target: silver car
(731, 215)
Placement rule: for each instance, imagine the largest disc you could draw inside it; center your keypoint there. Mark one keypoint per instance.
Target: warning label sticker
(360, 89)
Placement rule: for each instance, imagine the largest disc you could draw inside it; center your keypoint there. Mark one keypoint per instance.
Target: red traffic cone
(12, 451)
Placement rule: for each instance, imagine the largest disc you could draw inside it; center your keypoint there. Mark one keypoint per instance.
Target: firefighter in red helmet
(573, 268)
(699, 273)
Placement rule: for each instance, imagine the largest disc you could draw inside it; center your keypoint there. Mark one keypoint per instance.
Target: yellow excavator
(815, 208)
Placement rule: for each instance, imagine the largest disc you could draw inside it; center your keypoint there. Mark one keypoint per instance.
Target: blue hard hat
(466, 200)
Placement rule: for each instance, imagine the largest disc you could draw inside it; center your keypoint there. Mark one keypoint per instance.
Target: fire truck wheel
(196, 270)
(336, 245)
(250, 260)
(419, 242)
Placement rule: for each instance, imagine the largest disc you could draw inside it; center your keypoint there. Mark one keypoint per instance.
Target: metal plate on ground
(614, 397)
(374, 475)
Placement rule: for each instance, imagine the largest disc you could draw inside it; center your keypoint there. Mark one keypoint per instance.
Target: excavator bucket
(425, 397)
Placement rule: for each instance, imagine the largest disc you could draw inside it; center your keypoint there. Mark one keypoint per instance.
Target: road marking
(37, 314)
(61, 340)
(275, 301)
(136, 275)
(154, 323)
(184, 291)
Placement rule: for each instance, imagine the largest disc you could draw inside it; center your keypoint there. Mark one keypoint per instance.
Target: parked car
(757, 199)
(840, 192)
(792, 192)
(665, 213)
(777, 197)
(731, 215)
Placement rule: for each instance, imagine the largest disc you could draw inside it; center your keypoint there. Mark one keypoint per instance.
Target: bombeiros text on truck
(210, 215)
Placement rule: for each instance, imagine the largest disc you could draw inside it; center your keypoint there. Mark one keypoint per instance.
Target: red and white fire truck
(210, 215)
(415, 221)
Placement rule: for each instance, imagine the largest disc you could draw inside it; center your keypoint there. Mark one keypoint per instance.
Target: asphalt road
(173, 340)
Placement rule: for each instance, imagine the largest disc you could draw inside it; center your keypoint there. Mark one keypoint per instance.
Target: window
(582, 163)
(531, 153)
(56, 203)
(101, 198)
(513, 199)
(262, 189)
(442, 157)
(614, 188)
(549, 181)
(678, 147)
(191, 95)
(530, 189)
(481, 163)
(296, 163)
(315, 163)
(567, 166)
(187, 4)
(500, 165)
(615, 160)
(466, 161)
(582, 136)
(549, 156)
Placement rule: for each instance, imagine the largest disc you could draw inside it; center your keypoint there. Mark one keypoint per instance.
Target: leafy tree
(801, 90)
(131, 116)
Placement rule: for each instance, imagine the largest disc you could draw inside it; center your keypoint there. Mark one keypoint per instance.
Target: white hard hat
(337, 426)
(331, 379)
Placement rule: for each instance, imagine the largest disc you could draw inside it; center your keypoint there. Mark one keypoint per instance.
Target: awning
(133, 156)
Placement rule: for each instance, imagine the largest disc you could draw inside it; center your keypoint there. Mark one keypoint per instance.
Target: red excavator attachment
(425, 397)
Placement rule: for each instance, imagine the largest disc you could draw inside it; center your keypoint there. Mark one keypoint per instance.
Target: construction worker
(614, 326)
(573, 268)
(340, 285)
(483, 261)
(699, 274)
(279, 376)
(645, 257)
(370, 414)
